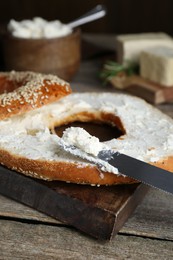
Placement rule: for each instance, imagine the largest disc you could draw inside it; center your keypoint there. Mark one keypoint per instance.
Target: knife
(141, 171)
(128, 166)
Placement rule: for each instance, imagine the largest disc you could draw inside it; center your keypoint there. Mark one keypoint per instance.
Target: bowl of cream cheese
(42, 46)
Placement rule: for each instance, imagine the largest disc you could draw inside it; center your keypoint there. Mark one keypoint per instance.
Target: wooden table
(148, 234)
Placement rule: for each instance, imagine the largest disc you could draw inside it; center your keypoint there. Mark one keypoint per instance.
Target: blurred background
(124, 16)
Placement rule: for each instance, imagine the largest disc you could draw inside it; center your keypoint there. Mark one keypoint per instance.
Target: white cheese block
(129, 46)
(156, 64)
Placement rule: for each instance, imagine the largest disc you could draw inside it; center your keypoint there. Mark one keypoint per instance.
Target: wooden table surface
(148, 234)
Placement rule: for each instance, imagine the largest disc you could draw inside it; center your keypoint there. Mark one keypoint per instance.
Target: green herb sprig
(112, 69)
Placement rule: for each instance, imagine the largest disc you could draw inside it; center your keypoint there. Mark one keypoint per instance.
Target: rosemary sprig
(112, 69)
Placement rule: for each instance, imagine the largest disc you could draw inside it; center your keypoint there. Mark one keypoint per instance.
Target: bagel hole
(102, 131)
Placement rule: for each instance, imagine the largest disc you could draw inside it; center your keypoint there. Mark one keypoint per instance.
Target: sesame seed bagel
(25, 91)
(29, 144)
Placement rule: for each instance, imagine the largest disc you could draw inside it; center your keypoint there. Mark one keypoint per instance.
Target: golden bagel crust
(28, 91)
(61, 171)
(70, 172)
(64, 171)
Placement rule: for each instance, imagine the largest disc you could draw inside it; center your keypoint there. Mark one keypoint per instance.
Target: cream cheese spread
(148, 137)
(81, 139)
(38, 28)
(80, 143)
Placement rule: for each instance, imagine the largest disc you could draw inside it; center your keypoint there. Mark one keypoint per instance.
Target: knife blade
(139, 170)
(126, 165)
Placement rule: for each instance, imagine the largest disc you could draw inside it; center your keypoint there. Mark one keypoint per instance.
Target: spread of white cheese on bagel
(148, 137)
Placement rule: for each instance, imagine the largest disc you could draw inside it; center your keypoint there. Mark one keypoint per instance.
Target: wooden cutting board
(97, 211)
(138, 86)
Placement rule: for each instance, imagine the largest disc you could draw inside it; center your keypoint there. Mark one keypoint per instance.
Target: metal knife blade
(141, 171)
(126, 165)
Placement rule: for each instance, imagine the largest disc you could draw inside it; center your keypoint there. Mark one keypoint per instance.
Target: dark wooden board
(97, 211)
(150, 91)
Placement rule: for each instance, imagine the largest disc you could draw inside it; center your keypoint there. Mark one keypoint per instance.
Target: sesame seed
(31, 88)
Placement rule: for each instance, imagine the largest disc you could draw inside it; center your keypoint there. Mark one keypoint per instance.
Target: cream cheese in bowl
(48, 47)
(38, 28)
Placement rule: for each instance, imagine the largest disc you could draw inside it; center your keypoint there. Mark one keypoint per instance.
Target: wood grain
(99, 212)
(138, 86)
(23, 241)
(152, 218)
(15, 210)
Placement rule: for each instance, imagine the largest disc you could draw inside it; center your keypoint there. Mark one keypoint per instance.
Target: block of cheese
(129, 46)
(156, 64)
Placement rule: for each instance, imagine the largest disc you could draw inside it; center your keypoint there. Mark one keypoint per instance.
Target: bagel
(26, 91)
(29, 143)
